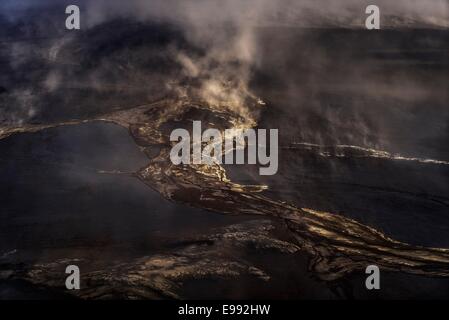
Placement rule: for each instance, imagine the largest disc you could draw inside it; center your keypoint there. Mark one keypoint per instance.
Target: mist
(218, 51)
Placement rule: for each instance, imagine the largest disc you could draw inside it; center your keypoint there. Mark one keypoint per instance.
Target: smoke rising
(216, 51)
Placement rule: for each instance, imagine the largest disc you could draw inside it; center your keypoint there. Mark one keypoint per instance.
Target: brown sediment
(220, 256)
(337, 245)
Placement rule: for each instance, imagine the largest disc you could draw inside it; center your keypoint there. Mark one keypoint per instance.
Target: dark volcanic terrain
(363, 177)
